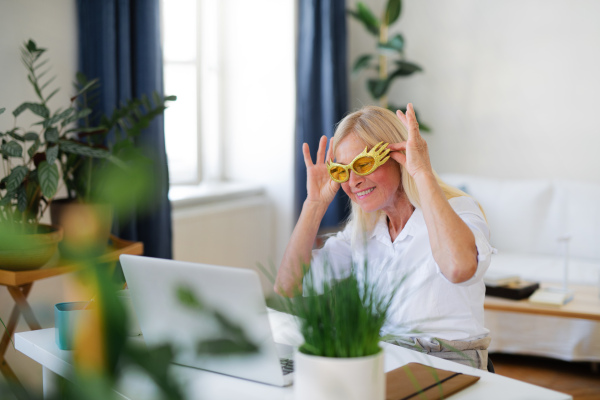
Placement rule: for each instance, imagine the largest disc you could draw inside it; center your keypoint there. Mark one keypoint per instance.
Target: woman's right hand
(320, 187)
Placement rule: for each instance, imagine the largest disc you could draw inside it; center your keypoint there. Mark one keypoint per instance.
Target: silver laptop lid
(235, 293)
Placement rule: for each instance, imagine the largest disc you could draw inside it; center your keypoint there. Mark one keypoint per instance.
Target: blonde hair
(372, 125)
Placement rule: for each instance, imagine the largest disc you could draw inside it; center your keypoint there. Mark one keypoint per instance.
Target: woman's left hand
(416, 156)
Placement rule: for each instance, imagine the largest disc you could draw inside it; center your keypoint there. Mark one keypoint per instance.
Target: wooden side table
(585, 304)
(19, 285)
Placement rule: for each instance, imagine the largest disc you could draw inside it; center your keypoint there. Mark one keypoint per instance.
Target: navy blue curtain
(119, 43)
(322, 89)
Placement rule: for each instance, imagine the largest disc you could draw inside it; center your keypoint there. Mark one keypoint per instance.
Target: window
(191, 40)
(181, 79)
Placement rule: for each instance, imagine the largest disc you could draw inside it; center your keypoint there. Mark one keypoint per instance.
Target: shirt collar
(381, 230)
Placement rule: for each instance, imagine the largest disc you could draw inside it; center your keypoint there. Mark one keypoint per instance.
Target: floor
(580, 380)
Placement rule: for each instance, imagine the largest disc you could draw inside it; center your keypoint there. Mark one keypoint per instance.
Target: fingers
(321, 150)
(396, 152)
(402, 118)
(330, 151)
(397, 146)
(306, 152)
(399, 157)
(413, 125)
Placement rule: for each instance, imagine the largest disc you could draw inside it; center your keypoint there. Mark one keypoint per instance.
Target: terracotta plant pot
(86, 227)
(21, 252)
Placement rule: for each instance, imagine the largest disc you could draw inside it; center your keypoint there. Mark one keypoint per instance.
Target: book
(515, 290)
(418, 381)
(551, 297)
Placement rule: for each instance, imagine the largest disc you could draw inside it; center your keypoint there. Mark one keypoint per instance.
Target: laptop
(234, 292)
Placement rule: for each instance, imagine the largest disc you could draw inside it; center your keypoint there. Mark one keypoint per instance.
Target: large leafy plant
(64, 138)
(88, 150)
(388, 62)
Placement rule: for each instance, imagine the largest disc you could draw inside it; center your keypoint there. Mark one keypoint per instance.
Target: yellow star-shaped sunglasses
(363, 164)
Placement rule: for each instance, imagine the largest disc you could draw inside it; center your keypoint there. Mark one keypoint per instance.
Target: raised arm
(320, 193)
(452, 242)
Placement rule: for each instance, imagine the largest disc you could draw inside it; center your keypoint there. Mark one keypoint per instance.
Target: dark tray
(515, 291)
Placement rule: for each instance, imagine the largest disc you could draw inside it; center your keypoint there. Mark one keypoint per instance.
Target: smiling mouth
(364, 192)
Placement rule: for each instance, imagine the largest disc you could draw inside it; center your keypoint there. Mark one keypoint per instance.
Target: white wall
(259, 104)
(52, 25)
(511, 88)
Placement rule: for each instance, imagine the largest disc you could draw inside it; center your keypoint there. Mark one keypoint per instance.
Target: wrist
(316, 208)
(424, 176)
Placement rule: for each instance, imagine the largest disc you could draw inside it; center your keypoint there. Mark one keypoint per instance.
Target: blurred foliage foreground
(102, 351)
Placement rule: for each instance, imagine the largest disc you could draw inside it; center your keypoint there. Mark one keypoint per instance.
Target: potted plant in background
(387, 49)
(341, 321)
(63, 138)
(30, 178)
(89, 156)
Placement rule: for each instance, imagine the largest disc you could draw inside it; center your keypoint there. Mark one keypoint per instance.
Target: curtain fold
(322, 89)
(119, 43)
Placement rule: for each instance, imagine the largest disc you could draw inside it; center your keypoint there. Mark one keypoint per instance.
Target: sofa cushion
(525, 216)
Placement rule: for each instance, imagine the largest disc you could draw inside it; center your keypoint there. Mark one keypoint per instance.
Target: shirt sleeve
(332, 262)
(468, 210)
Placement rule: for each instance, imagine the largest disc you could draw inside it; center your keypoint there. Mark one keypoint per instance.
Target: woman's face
(376, 191)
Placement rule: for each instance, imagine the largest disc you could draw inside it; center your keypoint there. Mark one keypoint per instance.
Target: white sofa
(526, 217)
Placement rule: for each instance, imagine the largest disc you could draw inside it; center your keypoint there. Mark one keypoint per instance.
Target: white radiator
(229, 231)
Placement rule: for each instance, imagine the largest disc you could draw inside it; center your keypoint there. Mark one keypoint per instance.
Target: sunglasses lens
(364, 165)
(338, 173)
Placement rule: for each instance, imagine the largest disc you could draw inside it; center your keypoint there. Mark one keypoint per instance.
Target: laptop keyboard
(287, 365)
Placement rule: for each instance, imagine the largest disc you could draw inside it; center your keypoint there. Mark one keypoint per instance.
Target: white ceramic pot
(328, 378)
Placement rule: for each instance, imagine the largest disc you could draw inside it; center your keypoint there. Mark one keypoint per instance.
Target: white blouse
(426, 304)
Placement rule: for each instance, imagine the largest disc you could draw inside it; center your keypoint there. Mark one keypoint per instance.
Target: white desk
(40, 346)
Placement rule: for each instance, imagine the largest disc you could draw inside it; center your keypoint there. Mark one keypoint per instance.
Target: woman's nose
(355, 179)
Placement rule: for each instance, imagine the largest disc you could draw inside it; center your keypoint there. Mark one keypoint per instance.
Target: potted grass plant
(341, 321)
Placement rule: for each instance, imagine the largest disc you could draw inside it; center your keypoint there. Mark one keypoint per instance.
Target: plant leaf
(34, 147)
(392, 12)
(69, 146)
(377, 87)
(368, 19)
(16, 177)
(405, 68)
(396, 43)
(48, 177)
(51, 135)
(12, 149)
(51, 154)
(13, 133)
(22, 199)
(2, 110)
(52, 94)
(31, 136)
(36, 108)
(361, 63)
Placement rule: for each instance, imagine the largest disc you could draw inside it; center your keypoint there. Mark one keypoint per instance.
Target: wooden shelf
(585, 304)
(59, 266)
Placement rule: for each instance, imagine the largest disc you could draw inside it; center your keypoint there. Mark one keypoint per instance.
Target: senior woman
(408, 223)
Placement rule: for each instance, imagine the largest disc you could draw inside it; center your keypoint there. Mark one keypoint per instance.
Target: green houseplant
(62, 148)
(388, 50)
(99, 165)
(341, 321)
